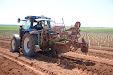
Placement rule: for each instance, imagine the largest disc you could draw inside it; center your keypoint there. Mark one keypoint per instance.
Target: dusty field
(98, 62)
(40, 65)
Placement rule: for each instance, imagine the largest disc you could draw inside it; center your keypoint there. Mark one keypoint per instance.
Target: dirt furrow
(102, 48)
(22, 64)
(27, 61)
(98, 53)
(48, 67)
(105, 53)
(95, 62)
(90, 63)
(87, 57)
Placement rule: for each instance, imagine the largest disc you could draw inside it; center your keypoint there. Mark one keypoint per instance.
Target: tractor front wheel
(14, 45)
(28, 44)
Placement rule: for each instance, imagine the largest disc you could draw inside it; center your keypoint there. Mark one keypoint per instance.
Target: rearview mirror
(18, 20)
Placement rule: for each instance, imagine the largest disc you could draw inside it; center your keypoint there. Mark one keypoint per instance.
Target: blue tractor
(28, 36)
(38, 35)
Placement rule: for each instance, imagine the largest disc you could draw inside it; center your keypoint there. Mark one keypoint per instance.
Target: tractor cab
(37, 22)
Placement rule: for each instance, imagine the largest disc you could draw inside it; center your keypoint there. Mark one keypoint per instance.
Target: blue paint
(36, 17)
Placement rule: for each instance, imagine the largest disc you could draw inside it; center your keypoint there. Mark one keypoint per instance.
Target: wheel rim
(13, 44)
(26, 45)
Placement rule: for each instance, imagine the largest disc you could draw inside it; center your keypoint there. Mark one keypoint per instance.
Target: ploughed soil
(8, 67)
(95, 62)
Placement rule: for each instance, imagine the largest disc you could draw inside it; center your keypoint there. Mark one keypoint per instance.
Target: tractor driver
(38, 26)
(21, 31)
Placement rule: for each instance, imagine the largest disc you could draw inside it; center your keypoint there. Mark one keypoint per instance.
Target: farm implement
(39, 35)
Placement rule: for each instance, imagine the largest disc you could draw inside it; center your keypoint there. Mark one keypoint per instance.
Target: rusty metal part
(69, 45)
(62, 45)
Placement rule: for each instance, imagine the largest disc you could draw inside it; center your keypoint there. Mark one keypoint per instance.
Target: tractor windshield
(41, 24)
(27, 24)
(46, 24)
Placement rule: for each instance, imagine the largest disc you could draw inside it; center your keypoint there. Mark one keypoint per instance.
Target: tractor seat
(38, 27)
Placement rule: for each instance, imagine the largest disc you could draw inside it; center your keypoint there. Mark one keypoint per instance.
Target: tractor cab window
(37, 25)
(41, 24)
(27, 24)
(46, 24)
(49, 24)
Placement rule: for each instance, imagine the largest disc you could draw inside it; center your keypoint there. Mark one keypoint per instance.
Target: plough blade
(69, 45)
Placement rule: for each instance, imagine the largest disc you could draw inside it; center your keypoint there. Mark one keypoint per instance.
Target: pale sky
(91, 13)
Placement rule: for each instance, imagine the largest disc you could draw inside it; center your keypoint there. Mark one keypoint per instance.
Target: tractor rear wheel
(14, 45)
(28, 44)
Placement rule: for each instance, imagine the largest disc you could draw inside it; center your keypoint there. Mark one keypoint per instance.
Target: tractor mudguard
(31, 31)
(17, 37)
